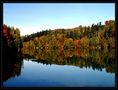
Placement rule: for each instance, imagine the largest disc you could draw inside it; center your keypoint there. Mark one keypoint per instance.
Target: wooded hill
(84, 46)
(95, 37)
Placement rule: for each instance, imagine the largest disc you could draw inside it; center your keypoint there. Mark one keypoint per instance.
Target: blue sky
(34, 17)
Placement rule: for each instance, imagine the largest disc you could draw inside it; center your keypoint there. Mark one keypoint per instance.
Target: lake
(73, 71)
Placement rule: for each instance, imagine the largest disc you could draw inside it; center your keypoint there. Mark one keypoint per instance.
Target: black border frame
(73, 1)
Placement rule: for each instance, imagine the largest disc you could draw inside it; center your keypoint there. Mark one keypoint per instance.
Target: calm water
(93, 69)
(35, 74)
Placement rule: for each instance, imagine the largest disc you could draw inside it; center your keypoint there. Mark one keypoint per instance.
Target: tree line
(11, 43)
(95, 37)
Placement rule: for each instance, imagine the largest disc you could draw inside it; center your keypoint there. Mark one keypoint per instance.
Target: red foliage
(77, 43)
(77, 52)
(107, 23)
(5, 32)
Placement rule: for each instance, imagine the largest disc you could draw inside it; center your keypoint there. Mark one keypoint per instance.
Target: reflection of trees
(11, 52)
(82, 46)
(11, 68)
(11, 64)
(95, 59)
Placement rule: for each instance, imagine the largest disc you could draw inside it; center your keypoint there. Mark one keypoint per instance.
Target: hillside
(80, 46)
(94, 37)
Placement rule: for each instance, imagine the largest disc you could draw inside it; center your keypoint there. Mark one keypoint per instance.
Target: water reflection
(98, 60)
(12, 67)
(50, 62)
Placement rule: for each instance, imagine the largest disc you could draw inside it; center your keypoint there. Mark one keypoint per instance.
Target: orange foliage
(77, 43)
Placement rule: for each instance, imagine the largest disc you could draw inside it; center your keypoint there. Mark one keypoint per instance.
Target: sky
(35, 17)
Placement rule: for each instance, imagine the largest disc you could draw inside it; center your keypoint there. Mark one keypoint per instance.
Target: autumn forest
(87, 43)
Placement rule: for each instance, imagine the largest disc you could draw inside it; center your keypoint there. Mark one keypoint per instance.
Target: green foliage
(77, 45)
(68, 44)
(94, 37)
(94, 41)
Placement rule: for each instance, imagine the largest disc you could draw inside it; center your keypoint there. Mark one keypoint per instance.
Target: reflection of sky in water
(38, 74)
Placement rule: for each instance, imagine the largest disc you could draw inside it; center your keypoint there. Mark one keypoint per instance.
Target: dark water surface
(92, 70)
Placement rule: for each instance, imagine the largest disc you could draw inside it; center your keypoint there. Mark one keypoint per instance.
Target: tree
(84, 42)
(68, 44)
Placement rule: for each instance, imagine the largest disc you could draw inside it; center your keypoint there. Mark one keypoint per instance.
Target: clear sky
(34, 17)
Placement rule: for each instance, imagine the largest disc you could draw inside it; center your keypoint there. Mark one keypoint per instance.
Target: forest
(96, 37)
(88, 44)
